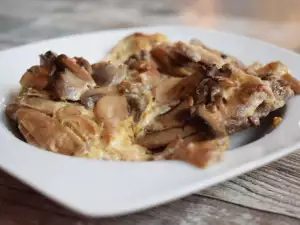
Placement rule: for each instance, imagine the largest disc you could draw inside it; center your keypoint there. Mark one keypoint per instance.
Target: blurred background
(23, 21)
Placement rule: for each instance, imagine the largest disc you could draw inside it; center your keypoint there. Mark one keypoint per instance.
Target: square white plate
(101, 188)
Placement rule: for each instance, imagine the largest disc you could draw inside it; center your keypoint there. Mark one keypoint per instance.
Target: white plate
(101, 188)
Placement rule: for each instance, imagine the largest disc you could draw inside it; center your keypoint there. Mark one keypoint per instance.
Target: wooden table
(270, 195)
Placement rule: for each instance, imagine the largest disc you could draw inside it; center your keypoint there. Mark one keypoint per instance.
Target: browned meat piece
(133, 44)
(227, 58)
(292, 82)
(43, 105)
(229, 109)
(47, 133)
(11, 111)
(108, 74)
(200, 153)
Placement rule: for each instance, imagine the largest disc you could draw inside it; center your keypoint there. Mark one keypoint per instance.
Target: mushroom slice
(108, 74)
(163, 93)
(163, 138)
(187, 51)
(159, 138)
(69, 87)
(111, 109)
(47, 61)
(36, 77)
(84, 64)
(176, 117)
(47, 133)
(63, 62)
(90, 97)
(133, 44)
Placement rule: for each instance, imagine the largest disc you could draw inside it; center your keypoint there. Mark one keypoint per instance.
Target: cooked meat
(47, 133)
(227, 58)
(147, 94)
(108, 74)
(133, 44)
(292, 82)
(11, 111)
(201, 153)
(43, 105)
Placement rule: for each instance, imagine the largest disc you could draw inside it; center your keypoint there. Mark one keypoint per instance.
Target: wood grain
(274, 188)
(29, 208)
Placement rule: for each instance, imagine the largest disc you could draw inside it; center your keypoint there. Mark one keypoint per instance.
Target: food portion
(148, 99)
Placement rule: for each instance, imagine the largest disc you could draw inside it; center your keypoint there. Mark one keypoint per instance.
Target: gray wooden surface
(270, 195)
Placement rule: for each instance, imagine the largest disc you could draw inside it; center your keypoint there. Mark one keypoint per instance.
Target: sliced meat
(42, 105)
(202, 153)
(198, 153)
(47, 133)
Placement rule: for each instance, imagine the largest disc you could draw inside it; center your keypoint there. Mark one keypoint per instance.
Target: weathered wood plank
(274, 188)
(192, 210)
